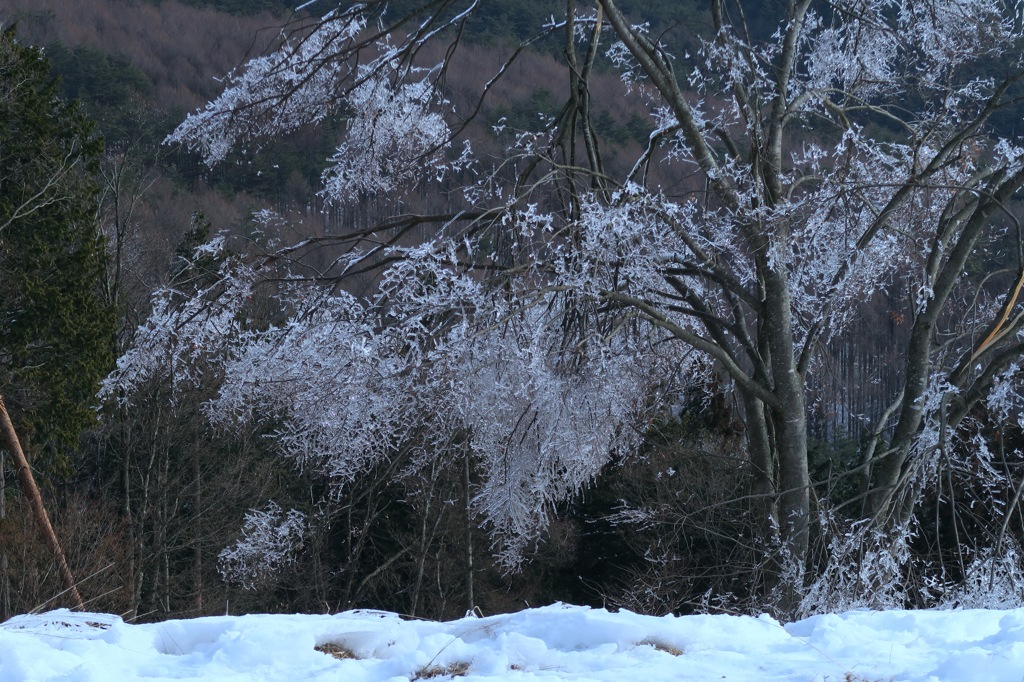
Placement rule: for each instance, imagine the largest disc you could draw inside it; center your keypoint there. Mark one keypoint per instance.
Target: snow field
(552, 643)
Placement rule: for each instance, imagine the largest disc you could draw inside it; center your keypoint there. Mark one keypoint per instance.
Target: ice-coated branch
(271, 540)
(301, 83)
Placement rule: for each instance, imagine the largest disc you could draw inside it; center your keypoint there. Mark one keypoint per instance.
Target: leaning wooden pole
(9, 441)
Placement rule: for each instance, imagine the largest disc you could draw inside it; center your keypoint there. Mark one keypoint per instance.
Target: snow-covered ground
(552, 643)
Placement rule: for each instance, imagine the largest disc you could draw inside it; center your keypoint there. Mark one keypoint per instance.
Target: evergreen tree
(56, 333)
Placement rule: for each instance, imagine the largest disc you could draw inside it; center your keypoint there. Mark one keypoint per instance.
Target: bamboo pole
(9, 441)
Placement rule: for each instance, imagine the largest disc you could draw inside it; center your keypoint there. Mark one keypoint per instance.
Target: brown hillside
(182, 49)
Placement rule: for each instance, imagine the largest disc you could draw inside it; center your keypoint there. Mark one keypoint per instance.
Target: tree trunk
(197, 548)
(9, 440)
(5, 581)
(467, 507)
(764, 488)
(790, 421)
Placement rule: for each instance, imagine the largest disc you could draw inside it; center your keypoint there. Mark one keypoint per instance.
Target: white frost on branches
(991, 582)
(393, 131)
(349, 384)
(185, 331)
(392, 136)
(863, 54)
(297, 85)
(544, 422)
(269, 543)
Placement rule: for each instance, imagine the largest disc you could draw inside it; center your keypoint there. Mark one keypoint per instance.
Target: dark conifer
(56, 333)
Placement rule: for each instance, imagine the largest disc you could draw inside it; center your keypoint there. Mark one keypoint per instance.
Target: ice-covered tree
(548, 317)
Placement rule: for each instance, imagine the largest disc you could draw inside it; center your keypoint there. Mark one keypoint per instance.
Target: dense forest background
(150, 496)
